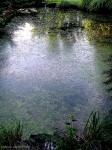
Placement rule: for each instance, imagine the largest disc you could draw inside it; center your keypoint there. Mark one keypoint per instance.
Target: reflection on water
(99, 31)
(49, 68)
(24, 32)
(108, 74)
(100, 34)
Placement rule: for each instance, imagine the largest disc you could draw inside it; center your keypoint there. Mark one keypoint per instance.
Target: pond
(52, 64)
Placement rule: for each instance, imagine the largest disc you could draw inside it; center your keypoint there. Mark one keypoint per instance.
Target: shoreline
(10, 10)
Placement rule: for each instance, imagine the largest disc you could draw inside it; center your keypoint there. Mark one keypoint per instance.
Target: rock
(41, 137)
(30, 143)
(50, 146)
(37, 141)
(26, 11)
(23, 145)
(40, 142)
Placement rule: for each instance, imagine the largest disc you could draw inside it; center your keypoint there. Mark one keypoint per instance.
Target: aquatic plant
(10, 134)
(92, 131)
(68, 139)
(97, 134)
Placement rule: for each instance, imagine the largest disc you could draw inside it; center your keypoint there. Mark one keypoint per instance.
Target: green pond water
(53, 64)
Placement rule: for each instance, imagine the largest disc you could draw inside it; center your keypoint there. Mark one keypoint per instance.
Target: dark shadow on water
(5, 38)
(108, 74)
(108, 83)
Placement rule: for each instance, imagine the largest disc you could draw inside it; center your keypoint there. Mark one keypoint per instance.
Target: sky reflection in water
(49, 68)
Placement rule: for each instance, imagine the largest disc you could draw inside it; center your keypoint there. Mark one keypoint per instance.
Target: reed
(10, 134)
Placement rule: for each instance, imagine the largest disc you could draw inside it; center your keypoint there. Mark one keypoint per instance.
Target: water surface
(53, 64)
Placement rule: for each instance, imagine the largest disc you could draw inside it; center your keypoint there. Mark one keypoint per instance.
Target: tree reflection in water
(108, 83)
(109, 74)
(5, 39)
(58, 24)
(99, 34)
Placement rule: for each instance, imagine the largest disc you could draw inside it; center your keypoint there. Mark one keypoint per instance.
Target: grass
(97, 5)
(11, 134)
(68, 140)
(89, 5)
(97, 135)
(65, 3)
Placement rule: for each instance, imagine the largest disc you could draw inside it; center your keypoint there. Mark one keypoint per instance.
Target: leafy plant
(97, 5)
(68, 140)
(93, 125)
(97, 134)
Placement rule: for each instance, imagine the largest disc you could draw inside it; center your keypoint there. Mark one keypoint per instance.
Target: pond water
(52, 64)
